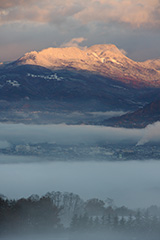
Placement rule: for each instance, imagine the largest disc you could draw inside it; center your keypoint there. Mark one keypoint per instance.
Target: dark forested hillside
(149, 114)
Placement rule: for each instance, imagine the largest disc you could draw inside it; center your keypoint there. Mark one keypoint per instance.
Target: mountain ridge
(105, 59)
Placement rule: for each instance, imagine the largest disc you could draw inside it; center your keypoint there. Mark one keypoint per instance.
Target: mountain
(98, 78)
(149, 114)
(105, 59)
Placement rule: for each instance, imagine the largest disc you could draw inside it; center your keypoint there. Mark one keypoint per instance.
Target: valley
(83, 152)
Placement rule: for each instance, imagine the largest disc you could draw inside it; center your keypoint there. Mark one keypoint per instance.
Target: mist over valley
(71, 166)
(113, 162)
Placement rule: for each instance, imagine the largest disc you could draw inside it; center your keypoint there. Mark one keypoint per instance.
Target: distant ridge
(149, 114)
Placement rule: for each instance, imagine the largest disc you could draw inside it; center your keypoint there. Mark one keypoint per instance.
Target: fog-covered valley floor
(27, 165)
(95, 162)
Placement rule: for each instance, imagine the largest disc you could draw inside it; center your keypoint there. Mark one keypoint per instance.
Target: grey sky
(36, 24)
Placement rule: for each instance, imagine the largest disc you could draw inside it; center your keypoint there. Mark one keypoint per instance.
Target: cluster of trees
(46, 214)
(26, 215)
(143, 224)
(139, 224)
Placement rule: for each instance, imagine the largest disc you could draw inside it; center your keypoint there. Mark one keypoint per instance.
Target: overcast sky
(132, 25)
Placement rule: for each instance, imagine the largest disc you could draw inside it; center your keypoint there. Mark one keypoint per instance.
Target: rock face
(105, 59)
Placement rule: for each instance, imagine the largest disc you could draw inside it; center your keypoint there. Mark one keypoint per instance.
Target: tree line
(45, 214)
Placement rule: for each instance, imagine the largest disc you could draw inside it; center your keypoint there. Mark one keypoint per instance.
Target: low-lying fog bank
(50, 116)
(69, 134)
(81, 142)
(65, 134)
(132, 183)
(86, 236)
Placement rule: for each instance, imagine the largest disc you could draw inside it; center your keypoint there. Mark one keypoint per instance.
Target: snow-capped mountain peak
(105, 59)
(50, 57)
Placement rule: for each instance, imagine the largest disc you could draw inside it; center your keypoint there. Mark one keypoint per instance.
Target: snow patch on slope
(14, 83)
(114, 61)
(48, 77)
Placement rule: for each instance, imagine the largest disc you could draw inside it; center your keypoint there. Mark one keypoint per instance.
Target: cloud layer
(135, 13)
